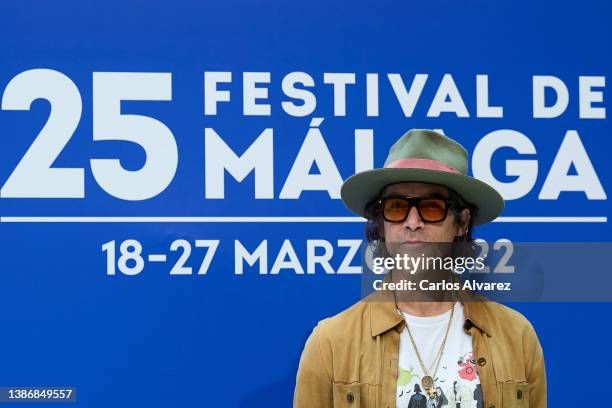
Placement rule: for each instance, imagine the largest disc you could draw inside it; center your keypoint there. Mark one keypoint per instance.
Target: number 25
(34, 177)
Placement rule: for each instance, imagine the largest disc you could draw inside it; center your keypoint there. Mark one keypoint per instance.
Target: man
(396, 351)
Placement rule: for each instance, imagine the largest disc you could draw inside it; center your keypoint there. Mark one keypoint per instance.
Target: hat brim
(361, 188)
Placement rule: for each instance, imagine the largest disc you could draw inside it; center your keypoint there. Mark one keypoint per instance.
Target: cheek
(443, 232)
(391, 232)
(447, 231)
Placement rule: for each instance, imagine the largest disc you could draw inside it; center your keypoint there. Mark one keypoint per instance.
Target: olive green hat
(429, 157)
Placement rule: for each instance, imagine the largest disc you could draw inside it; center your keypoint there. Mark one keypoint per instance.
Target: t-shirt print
(456, 382)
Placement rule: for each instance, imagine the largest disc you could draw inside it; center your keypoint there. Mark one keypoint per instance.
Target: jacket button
(519, 394)
(350, 397)
(468, 324)
(482, 361)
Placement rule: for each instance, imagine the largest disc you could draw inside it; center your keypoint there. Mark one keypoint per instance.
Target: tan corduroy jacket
(351, 359)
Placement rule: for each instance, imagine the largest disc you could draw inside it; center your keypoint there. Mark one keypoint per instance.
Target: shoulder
(503, 317)
(507, 323)
(345, 324)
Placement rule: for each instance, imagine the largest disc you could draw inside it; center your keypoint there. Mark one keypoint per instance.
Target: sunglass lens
(395, 209)
(432, 209)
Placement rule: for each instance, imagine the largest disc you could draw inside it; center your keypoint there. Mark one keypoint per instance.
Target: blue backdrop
(156, 339)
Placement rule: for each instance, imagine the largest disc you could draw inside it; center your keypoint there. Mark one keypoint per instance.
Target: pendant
(427, 382)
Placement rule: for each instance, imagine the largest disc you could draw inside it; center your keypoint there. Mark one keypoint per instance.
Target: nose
(413, 221)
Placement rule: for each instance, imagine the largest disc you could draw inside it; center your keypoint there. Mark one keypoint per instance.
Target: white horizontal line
(182, 219)
(157, 258)
(265, 219)
(551, 219)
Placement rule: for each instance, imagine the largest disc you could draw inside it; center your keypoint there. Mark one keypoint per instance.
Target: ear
(464, 221)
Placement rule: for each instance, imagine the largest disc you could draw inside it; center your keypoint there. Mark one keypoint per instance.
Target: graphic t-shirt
(456, 381)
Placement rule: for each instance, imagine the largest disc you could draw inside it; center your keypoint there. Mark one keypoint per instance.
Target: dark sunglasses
(430, 209)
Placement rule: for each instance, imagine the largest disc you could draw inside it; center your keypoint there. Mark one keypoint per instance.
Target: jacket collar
(384, 315)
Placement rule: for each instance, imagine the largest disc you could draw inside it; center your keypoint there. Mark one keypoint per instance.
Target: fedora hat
(429, 157)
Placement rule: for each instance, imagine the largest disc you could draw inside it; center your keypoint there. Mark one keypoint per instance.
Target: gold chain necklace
(427, 381)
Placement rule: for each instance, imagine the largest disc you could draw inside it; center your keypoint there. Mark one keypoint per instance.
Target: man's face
(413, 228)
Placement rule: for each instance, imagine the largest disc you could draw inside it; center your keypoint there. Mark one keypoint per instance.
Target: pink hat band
(426, 164)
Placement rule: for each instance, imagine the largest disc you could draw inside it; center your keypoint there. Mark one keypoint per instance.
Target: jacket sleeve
(536, 371)
(313, 387)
